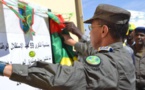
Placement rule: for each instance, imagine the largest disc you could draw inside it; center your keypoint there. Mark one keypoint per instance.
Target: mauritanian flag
(62, 53)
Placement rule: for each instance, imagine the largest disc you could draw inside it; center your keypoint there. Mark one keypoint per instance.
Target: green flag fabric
(62, 53)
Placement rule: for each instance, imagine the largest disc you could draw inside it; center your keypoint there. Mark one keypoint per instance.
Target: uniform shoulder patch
(93, 60)
(106, 48)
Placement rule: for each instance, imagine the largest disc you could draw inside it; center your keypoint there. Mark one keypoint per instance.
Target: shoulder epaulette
(106, 48)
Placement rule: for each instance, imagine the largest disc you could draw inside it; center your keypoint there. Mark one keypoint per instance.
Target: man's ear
(105, 31)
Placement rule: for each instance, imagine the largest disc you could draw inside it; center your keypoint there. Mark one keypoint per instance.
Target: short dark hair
(116, 30)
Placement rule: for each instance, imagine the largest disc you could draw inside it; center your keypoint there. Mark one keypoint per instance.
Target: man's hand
(68, 40)
(70, 26)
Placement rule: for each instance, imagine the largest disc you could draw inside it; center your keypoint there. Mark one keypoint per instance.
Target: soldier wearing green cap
(109, 69)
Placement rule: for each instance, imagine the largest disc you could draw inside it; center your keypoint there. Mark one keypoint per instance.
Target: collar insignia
(106, 48)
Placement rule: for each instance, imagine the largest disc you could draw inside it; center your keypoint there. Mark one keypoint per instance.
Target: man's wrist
(2, 67)
(84, 38)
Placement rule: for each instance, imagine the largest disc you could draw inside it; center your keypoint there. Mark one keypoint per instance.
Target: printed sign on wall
(22, 48)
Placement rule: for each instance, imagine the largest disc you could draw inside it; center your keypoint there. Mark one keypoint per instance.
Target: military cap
(111, 14)
(140, 29)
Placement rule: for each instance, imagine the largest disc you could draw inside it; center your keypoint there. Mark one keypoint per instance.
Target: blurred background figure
(129, 41)
(139, 53)
(139, 37)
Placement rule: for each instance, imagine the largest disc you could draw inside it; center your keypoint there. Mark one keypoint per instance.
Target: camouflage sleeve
(84, 48)
(50, 76)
